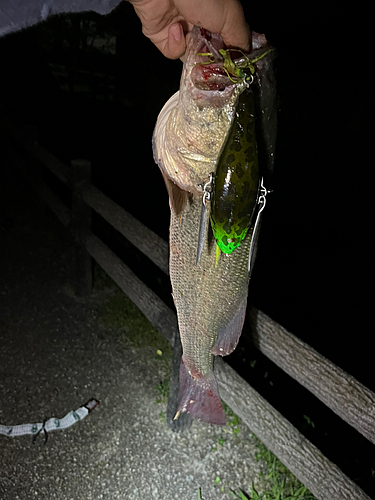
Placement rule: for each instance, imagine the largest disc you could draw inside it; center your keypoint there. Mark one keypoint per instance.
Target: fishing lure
(236, 181)
(236, 188)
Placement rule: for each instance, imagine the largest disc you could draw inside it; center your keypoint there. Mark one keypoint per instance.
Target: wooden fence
(342, 393)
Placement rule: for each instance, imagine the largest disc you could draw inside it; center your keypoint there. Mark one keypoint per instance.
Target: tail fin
(200, 397)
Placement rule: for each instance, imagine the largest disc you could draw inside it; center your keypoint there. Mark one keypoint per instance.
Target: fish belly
(210, 299)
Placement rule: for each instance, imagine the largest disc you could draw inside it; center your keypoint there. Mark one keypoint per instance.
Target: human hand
(167, 23)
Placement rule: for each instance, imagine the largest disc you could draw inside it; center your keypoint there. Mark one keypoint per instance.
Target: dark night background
(313, 272)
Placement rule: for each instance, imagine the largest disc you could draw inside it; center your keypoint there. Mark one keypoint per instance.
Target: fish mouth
(211, 77)
(204, 78)
(211, 42)
(207, 72)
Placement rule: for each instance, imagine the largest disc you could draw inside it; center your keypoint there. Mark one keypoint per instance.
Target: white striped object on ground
(52, 424)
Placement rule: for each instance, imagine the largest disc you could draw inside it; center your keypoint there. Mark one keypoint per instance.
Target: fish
(189, 145)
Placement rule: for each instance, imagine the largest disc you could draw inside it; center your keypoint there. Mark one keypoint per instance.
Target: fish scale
(209, 299)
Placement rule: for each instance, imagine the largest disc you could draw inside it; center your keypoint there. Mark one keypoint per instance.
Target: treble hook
(207, 194)
(261, 204)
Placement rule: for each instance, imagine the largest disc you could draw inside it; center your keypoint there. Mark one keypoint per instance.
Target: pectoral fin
(229, 336)
(178, 198)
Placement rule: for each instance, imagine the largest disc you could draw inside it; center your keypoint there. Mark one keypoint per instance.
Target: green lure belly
(236, 180)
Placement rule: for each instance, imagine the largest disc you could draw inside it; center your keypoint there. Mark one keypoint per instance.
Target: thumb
(175, 45)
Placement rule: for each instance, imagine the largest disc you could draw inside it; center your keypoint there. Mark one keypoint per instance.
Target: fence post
(81, 226)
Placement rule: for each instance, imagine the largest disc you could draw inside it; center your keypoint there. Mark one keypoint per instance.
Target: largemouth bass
(210, 293)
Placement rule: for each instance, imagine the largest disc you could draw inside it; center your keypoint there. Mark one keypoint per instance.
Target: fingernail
(176, 32)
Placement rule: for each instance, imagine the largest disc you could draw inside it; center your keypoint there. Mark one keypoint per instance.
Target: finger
(176, 40)
(225, 17)
(235, 31)
(172, 45)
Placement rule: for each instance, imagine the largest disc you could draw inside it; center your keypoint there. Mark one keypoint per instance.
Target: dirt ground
(57, 352)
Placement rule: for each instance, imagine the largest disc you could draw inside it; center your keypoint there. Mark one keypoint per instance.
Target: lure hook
(261, 204)
(207, 195)
(207, 190)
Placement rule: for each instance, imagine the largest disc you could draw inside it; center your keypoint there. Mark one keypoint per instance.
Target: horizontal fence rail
(342, 393)
(132, 229)
(338, 390)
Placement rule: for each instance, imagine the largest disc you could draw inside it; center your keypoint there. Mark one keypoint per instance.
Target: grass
(283, 484)
(233, 420)
(163, 388)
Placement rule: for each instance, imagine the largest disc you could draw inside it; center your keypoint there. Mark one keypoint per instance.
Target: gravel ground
(56, 353)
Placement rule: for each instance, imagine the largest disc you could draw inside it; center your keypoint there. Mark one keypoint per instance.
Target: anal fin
(229, 335)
